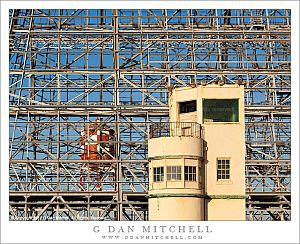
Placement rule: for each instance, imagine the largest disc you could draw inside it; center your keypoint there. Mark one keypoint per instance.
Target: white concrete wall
(176, 208)
(223, 140)
(175, 199)
(166, 146)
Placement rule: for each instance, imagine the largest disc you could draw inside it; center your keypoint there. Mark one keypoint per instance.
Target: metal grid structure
(71, 67)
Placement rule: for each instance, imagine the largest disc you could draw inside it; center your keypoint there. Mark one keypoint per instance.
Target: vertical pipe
(58, 84)
(117, 115)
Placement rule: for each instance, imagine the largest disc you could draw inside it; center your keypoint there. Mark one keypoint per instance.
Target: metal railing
(170, 129)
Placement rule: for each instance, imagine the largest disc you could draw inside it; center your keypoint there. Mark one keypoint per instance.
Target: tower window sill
(224, 182)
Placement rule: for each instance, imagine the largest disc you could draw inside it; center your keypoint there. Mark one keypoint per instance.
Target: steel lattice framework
(70, 67)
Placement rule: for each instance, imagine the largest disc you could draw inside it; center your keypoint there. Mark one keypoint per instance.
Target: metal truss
(70, 67)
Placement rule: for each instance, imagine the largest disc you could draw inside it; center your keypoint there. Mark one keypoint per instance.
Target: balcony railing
(170, 129)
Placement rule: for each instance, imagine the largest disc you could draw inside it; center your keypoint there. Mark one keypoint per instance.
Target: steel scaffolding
(71, 67)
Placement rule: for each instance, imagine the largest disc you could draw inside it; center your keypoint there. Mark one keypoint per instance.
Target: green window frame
(188, 106)
(220, 110)
(173, 173)
(158, 174)
(190, 173)
(223, 169)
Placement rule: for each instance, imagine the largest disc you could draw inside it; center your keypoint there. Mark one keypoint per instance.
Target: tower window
(187, 107)
(158, 174)
(173, 173)
(190, 173)
(223, 169)
(220, 110)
